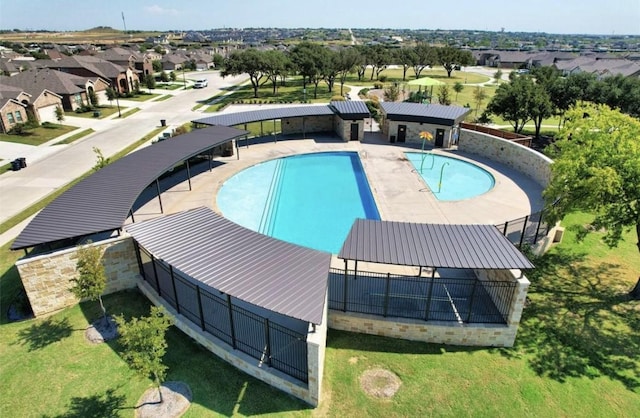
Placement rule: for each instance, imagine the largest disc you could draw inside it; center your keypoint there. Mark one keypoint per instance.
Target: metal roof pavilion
(102, 201)
(273, 274)
(239, 118)
(426, 113)
(431, 245)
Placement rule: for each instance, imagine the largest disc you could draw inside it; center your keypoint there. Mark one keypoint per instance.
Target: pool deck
(399, 192)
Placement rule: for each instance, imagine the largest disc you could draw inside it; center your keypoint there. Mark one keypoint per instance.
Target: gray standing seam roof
(351, 109)
(429, 113)
(102, 201)
(238, 118)
(431, 245)
(282, 277)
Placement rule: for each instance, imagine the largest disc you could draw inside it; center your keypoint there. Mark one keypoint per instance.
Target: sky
(621, 17)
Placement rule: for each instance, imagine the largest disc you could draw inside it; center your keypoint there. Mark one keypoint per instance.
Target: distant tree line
(545, 92)
(317, 63)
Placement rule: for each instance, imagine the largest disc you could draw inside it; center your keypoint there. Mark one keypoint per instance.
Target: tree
(497, 76)
(330, 68)
(93, 98)
(378, 59)
(391, 93)
(596, 169)
(309, 60)
(274, 65)
(111, 93)
(348, 59)
(444, 95)
(144, 344)
(248, 61)
(405, 57)
(101, 161)
(173, 76)
(157, 66)
(218, 60)
(458, 87)
(451, 58)
(92, 280)
(479, 96)
(424, 56)
(517, 102)
(164, 77)
(59, 114)
(150, 81)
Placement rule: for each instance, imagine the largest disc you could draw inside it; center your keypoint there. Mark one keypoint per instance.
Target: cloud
(159, 10)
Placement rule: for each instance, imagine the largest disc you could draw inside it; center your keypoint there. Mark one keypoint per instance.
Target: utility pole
(124, 23)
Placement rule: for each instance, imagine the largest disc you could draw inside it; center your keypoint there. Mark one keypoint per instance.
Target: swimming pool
(460, 179)
(306, 199)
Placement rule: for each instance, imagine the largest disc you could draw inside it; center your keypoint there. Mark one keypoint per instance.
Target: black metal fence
(453, 299)
(248, 328)
(525, 231)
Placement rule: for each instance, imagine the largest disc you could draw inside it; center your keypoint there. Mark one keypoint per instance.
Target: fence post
(139, 259)
(173, 284)
(155, 273)
(473, 294)
(386, 295)
(200, 312)
(233, 330)
(267, 340)
(535, 238)
(428, 307)
(524, 228)
(344, 292)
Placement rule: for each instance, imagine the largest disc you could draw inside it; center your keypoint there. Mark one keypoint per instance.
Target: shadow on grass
(102, 405)
(216, 385)
(579, 323)
(44, 333)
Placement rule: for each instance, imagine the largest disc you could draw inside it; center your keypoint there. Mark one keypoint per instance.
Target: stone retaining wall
(316, 343)
(521, 158)
(47, 278)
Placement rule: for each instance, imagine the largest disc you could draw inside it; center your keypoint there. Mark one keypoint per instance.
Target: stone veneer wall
(316, 343)
(311, 124)
(343, 128)
(46, 278)
(492, 335)
(414, 129)
(523, 159)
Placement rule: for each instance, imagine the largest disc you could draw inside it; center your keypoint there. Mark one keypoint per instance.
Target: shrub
(378, 85)
(17, 129)
(337, 98)
(382, 78)
(364, 92)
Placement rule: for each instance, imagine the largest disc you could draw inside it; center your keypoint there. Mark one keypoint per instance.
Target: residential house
(174, 61)
(8, 67)
(12, 110)
(122, 78)
(72, 90)
(202, 61)
(128, 58)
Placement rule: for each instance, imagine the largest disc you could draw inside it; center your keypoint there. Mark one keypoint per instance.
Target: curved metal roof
(346, 110)
(102, 201)
(282, 277)
(431, 245)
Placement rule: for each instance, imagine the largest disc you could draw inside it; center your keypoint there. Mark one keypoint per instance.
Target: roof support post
(504, 230)
(188, 173)
(159, 198)
(386, 295)
(267, 340)
(345, 286)
(210, 159)
(131, 214)
(200, 312)
(427, 309)
(237, 149)
(261, 129)
(231, 326)
(304, 135)
(524, 228)
(274, 132)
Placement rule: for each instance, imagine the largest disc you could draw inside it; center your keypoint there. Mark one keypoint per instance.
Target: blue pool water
(460, 179)
(308, 199)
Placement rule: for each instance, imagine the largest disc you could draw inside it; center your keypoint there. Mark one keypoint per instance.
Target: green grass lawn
(104, 110)
(130, 112)
(169, 86)
(75, 137)
(576, 355)
(142, 97)
(39, 135)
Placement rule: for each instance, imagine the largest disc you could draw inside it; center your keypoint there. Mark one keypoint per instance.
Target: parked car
(201, 84)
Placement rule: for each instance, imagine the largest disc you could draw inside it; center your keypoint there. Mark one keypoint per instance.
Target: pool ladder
(273, 197)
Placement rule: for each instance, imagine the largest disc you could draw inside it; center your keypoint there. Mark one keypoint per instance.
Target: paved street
(50, 167)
